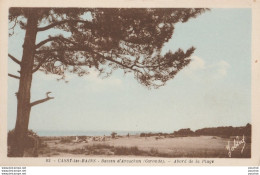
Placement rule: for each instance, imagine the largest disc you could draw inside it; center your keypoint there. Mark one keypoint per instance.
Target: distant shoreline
(186, 131)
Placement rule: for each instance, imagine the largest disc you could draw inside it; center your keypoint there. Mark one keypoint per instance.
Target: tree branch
(12, 28)
(117, 62)
(86, 49)
(60, 49)
(53, 39)
(42, 100)
(39, 65)
(14, 59)
(63, 22)
(15, 22)
(78, 47)
(45, 41)
(13, 76)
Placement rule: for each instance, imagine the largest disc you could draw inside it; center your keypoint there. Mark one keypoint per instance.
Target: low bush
(65, 140)
(32, 143)
(127, 151)
(29, 139)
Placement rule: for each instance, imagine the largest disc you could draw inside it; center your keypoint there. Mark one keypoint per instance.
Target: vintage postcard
(133, 83)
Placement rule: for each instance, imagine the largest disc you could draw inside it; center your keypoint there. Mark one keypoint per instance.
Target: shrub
(82, 137)
(65, 140)
(29, 138)
(31, 143)
(184, 132)
(113, 135)
(121, 151)
(102, 146)
(127, 151)
(154, 152)
(143, 134)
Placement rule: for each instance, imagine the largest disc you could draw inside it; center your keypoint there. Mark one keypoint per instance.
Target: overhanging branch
(39, 65)
(42, 100)
(57, 38)
(89, 24)
(85, 49)
(45, 41)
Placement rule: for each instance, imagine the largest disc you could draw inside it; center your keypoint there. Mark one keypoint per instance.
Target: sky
(214, 90)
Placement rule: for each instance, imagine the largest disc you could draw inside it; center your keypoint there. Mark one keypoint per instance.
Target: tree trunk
(24, 92)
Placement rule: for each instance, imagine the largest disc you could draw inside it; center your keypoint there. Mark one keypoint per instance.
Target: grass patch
(99, 146)
(110, 150)
(65, 140)
(127, 151)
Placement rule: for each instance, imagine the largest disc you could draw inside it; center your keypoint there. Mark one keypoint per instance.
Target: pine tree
(103, 39)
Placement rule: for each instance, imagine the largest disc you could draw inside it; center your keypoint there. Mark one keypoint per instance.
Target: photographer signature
(236, 144)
